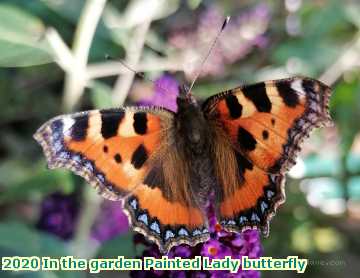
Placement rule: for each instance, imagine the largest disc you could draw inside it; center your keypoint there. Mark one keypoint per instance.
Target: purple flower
(214, 248)
(58, 215)
(241, 35)
(181, 251)
(110, 222)
(220, 244)
(166, 90)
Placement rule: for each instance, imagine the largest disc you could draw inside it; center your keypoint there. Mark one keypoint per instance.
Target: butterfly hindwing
(253, 202)
(265, 124)
(121, 153)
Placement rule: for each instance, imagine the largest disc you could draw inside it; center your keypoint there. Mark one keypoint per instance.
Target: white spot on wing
(183, 232)
(68, 122)
(264, 206)
(242, 219)
(133, 204)
(255, 217)
(57, 146)
(196, 232)
(94, 130)
(143, 218)
(155, 227)
(248, 107)
(127, 125)
(170, 234)
(297, 86)
(231, 222)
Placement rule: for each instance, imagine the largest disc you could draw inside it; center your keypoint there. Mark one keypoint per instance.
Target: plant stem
(75, 80)
(82, 246)
(133, 54)
(62, 53)
(99, 70)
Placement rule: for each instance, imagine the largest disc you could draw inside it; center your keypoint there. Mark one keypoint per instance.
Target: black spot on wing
(243, 164)
(117, 158)
(233, 105)
(257, 94)
(80, 127)
(246, 140)
(308, 85)
(265, 134)
(105, 149)
(288, 94)
(140, 123)
(110, 121)
(139, 157)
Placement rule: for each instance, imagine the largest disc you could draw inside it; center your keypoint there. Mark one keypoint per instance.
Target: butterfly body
(191, 126)
(165, 166)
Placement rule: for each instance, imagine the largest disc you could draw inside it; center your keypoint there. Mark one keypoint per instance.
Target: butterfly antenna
(226, 21)
(139, 74)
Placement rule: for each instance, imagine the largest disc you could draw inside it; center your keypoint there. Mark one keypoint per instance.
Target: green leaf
(17, 239)
(316, 55)
(21, 38)
(193, 4)
(345, 107)
(324, 20)
(352, 12)
(68, 9)
(120, 246)
(43, 182)
(21, 240)
(13, 171)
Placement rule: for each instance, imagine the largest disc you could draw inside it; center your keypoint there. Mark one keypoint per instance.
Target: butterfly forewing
(265, 124)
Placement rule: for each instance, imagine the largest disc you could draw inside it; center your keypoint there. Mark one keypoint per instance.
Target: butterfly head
(191, 123)
(185, 97)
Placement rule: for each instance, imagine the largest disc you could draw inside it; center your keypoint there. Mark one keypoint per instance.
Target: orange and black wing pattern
(265, 124)
(121, 153)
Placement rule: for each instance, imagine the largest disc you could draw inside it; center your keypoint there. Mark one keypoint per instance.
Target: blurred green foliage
(31, 91)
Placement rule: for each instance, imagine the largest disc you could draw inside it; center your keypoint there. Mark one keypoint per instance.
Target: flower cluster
(165, 92)
(221, 244)
(238, 39)
(59, 216)
(110, 222)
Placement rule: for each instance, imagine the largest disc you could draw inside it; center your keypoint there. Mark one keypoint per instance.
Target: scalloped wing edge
(164, 246)
(279, 199)
(44, 136)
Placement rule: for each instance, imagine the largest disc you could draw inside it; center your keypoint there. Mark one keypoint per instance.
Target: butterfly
(164, 166)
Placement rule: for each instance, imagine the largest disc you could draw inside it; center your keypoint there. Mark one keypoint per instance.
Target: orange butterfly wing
(117, 151)
(265, 123)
